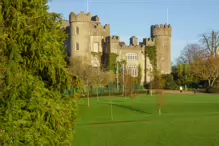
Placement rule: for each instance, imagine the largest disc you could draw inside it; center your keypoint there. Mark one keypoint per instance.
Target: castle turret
(80, 34)
(163, 36)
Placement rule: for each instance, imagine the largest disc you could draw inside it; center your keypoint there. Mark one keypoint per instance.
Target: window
(132, 57)
(77, 30)
(132, 70)
(96, 49)
(77, 46)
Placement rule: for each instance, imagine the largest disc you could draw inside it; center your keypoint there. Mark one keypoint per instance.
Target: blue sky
(188, 18)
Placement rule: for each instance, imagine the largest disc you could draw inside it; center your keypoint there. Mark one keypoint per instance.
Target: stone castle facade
(88, 37)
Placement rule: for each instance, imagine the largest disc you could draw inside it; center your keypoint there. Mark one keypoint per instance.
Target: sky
(188, 18)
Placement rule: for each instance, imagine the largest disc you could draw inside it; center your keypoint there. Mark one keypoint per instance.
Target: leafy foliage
(129, 82)
(169, 82)
(158, 81)
(97, 54)
(120, 63)
(139, 74)
(152, 55)
(207, 69)
(112, 61)
(34, 76)
(182, 75)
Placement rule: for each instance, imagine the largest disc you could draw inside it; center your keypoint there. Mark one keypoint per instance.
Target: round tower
(163, 42)
(80, 34)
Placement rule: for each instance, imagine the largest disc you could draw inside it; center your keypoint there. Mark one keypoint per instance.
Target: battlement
(113, 39)
(98, 26)
(131, 47)
(95, 18)
(80, 17)
(106, 26)
(161, 30)
(149, 41)
(161, 26)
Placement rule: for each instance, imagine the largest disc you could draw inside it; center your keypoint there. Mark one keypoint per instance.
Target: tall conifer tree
(34, 76)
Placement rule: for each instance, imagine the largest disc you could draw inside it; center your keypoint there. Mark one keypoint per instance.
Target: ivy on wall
(120, 63)
(96, 54)
(139, 74)
(99, 55)
(112, 61)
(152, 55)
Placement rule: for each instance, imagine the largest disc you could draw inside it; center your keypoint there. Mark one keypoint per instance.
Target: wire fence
(110, 90)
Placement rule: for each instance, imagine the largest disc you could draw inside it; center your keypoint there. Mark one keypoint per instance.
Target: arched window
(77, 46)
(77, 30)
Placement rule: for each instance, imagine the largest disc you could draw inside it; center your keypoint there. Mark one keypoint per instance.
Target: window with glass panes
(132, 70)
(131, 57)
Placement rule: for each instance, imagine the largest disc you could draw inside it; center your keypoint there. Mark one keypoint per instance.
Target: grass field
(186, 120)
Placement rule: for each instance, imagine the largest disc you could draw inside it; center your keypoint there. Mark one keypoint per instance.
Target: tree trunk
(212, 43)
(97, 95)
(111, 109)
(212, 83)
(209, 83)
(88, 99)
(159, 111)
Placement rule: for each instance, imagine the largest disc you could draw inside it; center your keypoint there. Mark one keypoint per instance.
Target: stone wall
(163, 43)
(86, 31)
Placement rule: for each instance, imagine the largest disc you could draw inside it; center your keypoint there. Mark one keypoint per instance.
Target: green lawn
(186, 120)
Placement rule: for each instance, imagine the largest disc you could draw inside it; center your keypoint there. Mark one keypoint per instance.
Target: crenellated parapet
(95, 18)
(131, 47)
(149, 41)
(80, 17)
(113, 39)
(98, 26)
(161, 30)
(106, 26)
(99, 29)
(107, 29)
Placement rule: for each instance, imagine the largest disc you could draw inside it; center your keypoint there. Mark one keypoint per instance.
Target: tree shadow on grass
(127, 107)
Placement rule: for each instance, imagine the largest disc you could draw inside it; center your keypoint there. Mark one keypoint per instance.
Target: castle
(88, 37)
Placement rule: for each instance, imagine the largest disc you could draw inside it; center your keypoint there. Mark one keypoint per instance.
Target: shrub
(213, 90)
(169, 82)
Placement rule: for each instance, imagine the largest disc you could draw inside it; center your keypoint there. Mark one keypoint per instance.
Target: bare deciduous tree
(102, 78)
(210, 41)
(207, 69)
(81, 67)
(98, 81)
(191, 53)
(160, 100)
(110, 77)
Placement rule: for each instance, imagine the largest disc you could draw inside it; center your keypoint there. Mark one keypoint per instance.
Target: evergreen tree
(34, 76)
